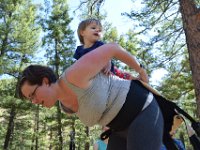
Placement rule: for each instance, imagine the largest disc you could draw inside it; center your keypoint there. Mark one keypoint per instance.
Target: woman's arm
(81, 72)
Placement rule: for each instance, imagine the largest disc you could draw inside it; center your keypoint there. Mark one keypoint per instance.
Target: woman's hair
(84, 24)
(34, 74)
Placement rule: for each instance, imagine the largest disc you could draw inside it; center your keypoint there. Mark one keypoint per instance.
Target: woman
(127, 108)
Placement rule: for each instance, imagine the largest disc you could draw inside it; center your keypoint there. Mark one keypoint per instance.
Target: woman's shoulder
(73, 82)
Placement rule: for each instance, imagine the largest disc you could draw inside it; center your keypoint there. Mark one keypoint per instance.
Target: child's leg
(146, 131)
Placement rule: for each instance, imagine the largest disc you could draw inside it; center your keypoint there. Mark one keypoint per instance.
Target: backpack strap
(169, 110)
(181, 111)
(195, 124)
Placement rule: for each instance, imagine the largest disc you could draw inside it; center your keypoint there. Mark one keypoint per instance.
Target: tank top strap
(79, 91)
(84, 92)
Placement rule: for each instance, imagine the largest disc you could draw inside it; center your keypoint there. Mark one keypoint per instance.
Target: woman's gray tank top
(101, 102)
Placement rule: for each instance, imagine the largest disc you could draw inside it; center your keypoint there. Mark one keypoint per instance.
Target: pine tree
(18, 37)
(59, 44)
(168, 28)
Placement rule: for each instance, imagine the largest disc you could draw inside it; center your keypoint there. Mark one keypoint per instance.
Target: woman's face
(39, 94)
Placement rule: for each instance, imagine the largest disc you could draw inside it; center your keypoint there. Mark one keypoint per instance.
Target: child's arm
(124, 75)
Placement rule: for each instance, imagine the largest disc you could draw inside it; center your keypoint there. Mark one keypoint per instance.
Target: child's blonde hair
(84, 24)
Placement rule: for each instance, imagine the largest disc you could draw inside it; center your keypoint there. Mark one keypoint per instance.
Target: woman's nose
(34, 101)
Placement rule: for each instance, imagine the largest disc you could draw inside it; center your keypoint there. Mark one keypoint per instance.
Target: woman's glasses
(32, 95)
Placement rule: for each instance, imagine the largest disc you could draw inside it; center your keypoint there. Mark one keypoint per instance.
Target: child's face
(92, 33)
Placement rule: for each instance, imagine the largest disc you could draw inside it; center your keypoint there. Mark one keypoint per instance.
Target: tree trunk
(72, 145)
(36, 127)
(32, 142)
(59, 127)
(191, 25)
(50, 139)
(10, 128)
(87, 144)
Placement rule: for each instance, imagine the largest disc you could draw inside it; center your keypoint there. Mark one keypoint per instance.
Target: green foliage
(110, 35)
(19, 34)
(91, 9)
(180, 79)
(58, 40)
(162, 21)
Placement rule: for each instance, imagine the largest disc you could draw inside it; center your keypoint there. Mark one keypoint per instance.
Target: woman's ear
(45, 81)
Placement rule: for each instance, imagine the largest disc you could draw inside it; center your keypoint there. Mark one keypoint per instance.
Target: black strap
(106, 134)
(195, 142)
(133, 105)
(184, 113)
(195, 124)
(169, 110)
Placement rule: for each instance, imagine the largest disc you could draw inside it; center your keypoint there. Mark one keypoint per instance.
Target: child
(177, 121)
(101, 144)
(89, 33)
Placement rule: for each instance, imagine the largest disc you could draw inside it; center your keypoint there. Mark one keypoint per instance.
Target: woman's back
(101, 102)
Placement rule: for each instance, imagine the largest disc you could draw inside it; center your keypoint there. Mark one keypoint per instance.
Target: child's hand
(133, 78)
(106, 69)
